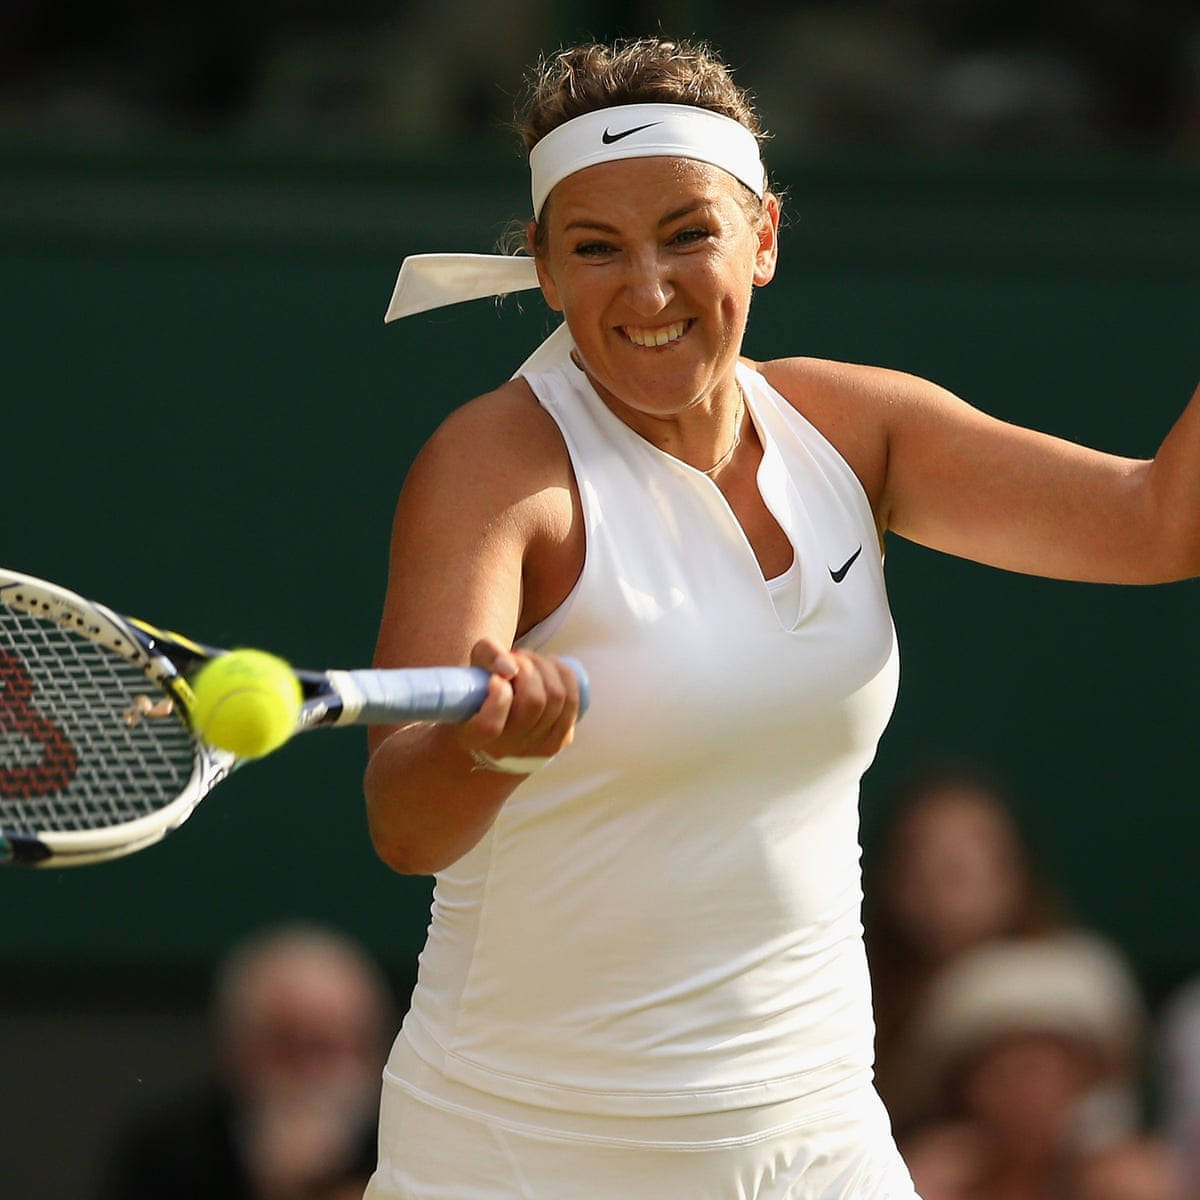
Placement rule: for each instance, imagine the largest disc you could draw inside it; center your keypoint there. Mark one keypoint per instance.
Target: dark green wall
(194, 350)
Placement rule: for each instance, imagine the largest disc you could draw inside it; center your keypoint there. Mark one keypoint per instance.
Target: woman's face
(652, 262)
(957, 874)
(1024, 1088)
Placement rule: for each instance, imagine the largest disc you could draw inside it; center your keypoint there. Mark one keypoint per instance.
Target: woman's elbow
(403, 857)
(1174, 557)
(406, 846)
(394, 846)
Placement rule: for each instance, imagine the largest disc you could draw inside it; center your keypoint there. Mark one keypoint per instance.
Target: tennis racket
(97, 753)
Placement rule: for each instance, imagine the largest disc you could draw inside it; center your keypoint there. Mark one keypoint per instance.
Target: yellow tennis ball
(247, 702)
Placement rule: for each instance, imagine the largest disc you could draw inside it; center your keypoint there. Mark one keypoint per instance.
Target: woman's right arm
(482, 499)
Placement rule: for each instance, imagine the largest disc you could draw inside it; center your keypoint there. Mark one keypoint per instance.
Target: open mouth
(655, 336)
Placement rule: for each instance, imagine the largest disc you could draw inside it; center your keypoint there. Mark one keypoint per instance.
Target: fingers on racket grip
(462, 708)
(433, 693)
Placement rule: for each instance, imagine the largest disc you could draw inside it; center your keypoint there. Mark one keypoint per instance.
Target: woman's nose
(648, 288)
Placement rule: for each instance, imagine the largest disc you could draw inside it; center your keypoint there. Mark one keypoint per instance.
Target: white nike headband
(645, 131)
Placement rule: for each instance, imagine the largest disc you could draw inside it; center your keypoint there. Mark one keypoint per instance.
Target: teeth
(655, 337)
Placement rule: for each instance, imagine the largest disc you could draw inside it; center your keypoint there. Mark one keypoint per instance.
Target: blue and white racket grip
(452, 694)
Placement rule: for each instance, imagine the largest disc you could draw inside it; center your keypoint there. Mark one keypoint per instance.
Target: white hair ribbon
(434, 280)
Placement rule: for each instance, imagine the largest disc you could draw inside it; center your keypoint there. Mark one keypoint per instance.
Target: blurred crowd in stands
(980, 73)
(1016, 1051)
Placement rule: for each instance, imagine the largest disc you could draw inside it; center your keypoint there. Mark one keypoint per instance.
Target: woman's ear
(767, 254)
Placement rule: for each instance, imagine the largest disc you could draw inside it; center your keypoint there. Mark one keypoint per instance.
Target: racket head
(93, 763)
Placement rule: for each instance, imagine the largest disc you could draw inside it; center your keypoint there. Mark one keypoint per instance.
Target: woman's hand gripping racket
(99, 754)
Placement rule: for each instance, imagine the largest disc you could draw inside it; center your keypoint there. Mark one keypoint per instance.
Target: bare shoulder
(853, 405)
(833, 374)
(496, 453)
(505, 434)
(492, 493)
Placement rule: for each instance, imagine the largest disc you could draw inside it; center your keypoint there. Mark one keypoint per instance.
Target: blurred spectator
(948, 1160)
(1180, 1061)
(1035, 1043)
(952, 871)
(302, 1020)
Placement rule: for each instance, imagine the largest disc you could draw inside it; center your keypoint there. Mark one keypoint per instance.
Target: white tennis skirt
(439, 1140)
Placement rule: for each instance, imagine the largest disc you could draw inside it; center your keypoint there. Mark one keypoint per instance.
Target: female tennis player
(644, 975)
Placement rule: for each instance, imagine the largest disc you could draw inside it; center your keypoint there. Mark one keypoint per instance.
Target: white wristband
(511, 764)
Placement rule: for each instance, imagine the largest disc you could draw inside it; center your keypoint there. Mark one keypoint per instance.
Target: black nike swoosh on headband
(840, 574)
(608, 138)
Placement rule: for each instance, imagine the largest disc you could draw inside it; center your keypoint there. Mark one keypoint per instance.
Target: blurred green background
(206, 423)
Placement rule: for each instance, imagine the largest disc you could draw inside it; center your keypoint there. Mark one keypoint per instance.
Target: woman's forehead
(642, 187)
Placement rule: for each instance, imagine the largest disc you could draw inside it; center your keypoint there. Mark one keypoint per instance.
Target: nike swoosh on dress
(840, 574)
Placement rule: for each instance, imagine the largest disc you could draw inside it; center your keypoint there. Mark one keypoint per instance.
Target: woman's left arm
(968, 484)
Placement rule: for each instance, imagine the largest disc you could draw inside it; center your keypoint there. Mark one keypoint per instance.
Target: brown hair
(641, 71)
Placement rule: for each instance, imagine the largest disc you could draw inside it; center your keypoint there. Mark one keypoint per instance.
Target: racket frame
(146, 648)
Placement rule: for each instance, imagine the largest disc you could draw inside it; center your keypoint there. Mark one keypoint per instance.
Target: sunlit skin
(642, 247)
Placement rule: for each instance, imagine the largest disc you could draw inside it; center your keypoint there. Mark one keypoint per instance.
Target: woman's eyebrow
(666, 219)
(687, 209)
(583, 224)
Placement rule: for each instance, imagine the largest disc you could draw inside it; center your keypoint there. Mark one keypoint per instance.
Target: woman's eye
(593, 249)
(686, 236)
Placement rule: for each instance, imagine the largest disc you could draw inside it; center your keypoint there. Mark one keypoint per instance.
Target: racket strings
(84, 741)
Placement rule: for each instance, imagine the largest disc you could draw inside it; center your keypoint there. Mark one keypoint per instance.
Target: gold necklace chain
(737, 437)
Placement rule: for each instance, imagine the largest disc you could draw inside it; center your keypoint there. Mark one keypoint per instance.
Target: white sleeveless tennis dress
(656, 951)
